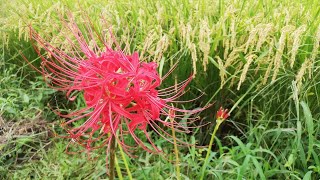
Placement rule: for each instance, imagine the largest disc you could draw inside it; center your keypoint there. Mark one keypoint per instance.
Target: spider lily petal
(222, 114)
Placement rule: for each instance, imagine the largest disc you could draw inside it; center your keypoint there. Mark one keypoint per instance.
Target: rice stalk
(316, 44)
(148, 41)
(233, 31)
(160, 13)
(226, 48)
(162, 46)
(251, 38)
(288, 16)
(233, 56)
(281, 44)
(204, 42)
(249, 59)
(238, 69)
(222, 71)
(268, 60)
(263, 33)
(296, 35)
(194, 58)
(301, 72)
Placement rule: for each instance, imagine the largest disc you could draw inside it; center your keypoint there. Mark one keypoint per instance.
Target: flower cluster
(222, 114)
(121, 93)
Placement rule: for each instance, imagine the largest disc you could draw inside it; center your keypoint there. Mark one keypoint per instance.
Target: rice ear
(316, 44)
(296, 35)
(250, 59)
(222, 71)
(299, 77)
(281, 44)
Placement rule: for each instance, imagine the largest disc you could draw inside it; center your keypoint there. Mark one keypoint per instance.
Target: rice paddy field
(258, 59)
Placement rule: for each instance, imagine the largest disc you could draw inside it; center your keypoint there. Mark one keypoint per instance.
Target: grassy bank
(260, 59)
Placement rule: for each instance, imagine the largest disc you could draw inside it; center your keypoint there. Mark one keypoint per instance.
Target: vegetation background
(260, 59)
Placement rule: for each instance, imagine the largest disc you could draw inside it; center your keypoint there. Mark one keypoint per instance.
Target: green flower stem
(112, 157)
(219, 122)
(176, 152)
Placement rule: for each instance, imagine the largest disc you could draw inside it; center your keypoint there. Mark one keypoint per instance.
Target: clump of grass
(250, 56)
(20, 142)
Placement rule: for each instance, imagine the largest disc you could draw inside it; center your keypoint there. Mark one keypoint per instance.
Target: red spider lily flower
(222, 114)
(121, 93)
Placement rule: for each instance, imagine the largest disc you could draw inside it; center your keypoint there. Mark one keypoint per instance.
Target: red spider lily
(121, 93)
(222, 114)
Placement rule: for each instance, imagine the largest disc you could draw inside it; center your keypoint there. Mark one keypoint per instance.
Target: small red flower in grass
(121, 93)
(222, 114)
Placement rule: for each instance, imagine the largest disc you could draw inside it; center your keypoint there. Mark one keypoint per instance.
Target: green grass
(273, 131)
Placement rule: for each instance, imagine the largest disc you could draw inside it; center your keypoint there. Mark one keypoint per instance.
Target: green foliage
(260, 59)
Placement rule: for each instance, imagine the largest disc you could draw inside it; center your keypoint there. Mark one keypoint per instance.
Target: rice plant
(259, 59)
